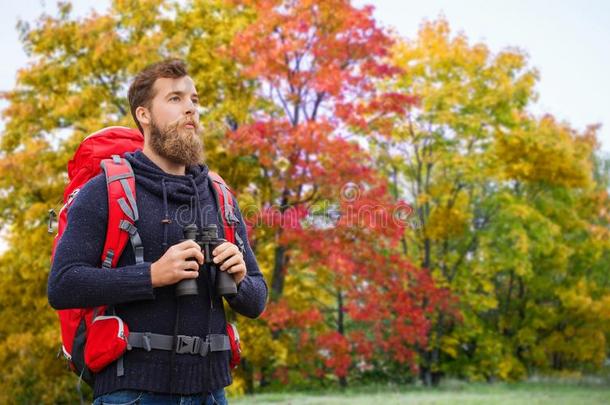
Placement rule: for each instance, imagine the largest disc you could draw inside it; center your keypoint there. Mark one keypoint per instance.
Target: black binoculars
(208, 240)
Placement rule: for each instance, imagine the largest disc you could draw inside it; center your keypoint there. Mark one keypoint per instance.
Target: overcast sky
(567, 40)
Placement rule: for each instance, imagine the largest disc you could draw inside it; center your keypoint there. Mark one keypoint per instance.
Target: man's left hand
(232, 260)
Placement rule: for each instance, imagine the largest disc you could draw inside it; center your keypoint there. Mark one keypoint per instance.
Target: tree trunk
(429, 374)
(340, 328)
(279, 271)
(263, 381)
(280, 263)
(427, 249)
(431, 360)
(248, 375)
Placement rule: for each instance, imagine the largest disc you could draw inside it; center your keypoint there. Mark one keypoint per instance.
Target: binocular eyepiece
(207, 239)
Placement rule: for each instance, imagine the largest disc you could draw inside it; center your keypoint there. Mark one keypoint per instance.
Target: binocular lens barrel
(208, 240)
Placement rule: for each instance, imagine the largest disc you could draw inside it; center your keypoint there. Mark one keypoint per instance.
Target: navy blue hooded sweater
(77, 279)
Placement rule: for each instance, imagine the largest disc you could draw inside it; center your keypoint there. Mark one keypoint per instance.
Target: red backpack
(91, 339)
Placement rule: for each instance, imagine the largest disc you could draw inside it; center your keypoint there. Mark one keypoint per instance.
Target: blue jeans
(129, 397)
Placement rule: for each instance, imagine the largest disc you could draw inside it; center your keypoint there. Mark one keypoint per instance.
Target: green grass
(450, 392)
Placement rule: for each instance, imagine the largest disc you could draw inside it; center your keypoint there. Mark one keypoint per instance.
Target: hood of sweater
(181, 189)
(191, 188)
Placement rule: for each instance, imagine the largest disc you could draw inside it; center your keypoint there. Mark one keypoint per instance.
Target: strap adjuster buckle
(146, 341)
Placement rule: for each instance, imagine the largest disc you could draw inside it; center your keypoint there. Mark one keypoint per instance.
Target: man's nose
(191, 108)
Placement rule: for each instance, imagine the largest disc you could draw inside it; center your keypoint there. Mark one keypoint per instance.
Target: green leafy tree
(493, 187)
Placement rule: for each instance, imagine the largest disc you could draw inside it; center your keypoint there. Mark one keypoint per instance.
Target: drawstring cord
(165, 221)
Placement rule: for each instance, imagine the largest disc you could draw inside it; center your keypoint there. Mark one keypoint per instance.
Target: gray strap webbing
(131, 198)
(136, 241)
(120, 367)
(219, 343)
(229, 214)
(184, 344)
(126, 209)
(108, 260)
(231, 217)
(119, 177)
(128, 227)
(240, 242)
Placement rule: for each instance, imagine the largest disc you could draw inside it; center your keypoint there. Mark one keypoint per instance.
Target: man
(172, 191)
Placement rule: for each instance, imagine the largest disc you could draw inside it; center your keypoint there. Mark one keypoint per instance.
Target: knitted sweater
(77, 279)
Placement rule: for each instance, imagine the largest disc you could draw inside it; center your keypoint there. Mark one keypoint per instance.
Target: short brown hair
(141, 90)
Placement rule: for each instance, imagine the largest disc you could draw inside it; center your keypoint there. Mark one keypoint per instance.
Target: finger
(224, 255)
(238, 268)
(190, 265)
(186, 244)
(238, 273)
(190, 274)
(231, 261)
(221, 248)
(192, 252)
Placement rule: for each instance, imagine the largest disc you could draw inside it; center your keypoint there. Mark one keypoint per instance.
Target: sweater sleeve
(76, 279)
(251, 295)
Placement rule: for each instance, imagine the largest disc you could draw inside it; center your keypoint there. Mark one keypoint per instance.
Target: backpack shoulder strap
(224, 201)
(122, 212)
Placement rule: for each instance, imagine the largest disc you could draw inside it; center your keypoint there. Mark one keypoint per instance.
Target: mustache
(173, 126)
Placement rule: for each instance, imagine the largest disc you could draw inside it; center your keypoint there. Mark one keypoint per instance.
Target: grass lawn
(450, 392)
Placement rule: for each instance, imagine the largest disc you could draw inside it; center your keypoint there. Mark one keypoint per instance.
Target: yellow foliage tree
(507, 202)
(76, 83)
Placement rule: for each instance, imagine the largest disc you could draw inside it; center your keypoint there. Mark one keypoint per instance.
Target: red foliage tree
(315, 65)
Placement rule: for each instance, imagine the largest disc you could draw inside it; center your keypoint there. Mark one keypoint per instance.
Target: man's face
(174, 131)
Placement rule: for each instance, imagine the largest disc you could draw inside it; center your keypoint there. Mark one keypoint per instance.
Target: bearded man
(171, 181)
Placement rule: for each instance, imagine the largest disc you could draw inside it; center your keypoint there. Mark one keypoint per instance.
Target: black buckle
(188, 344)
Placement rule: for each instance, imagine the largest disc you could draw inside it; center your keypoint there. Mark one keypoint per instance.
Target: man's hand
(173, 266)
(232, 261)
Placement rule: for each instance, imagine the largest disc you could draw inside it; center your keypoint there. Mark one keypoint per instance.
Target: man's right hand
(173, 266)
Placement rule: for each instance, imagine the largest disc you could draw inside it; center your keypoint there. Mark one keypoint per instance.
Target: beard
(177, 143)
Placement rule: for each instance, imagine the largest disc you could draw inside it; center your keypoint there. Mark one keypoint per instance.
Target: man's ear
(143, 115)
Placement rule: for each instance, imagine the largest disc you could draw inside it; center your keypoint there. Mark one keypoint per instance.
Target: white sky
(567, 40)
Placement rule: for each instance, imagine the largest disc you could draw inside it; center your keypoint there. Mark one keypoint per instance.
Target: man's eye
(195, 101)
(174, 98)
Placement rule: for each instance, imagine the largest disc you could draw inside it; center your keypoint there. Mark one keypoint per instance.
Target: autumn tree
(486, 178)
(286, 79)
(316, 65)
(74, 84)
(326, 128)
